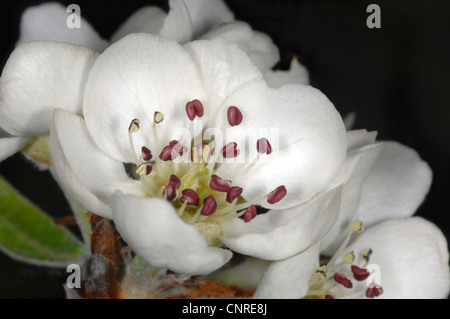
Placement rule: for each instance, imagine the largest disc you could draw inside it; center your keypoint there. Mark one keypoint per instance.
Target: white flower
(139, 92)
(409, 254)
(187, 19)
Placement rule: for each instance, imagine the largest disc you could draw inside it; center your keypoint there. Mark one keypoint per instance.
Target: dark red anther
(146, 154)
(263, 146)
(341, 279)
(171, 151)
(330, 297)
(166, 153)
(219, 184)
(171, 192)
(234, 116)
(373, 291)
(250, 213)
(360, 273)
(190, 196)
(233, 193)
(193, 109)
(177, 147)
(144, 169)
(276, 195)
(230, 150)
(171, 189)
(134, 126)
(175, 181)
(209, 206)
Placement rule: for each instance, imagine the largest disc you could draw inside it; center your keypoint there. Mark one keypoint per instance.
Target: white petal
(349, 120)
(263, 52)
(133, 78)
(48, 21)
(289, 278)
(3, 133)
(154, 231)
(246, 273)
(297, 74)
(39, 77)
(11, 145)
(359, 138)
(146, 20)
(412, 256)
(207, 14)
(258, 46)
(99, 173)
(396, 185)
(223, 68)
(70, 183)
(178, 24)
(282, 234)
(306, 133)
(237, 32)
(358, 163)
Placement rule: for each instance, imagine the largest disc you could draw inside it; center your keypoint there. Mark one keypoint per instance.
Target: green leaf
(29, 235)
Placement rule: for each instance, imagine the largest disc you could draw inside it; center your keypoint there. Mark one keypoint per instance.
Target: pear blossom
(375, 249)
(181, 215)
(185, 21)
(48, 22)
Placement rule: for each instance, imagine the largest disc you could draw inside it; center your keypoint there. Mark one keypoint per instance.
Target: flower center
(328, 279)
(195, 186)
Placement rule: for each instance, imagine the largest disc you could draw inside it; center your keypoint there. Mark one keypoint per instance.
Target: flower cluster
(179, 131)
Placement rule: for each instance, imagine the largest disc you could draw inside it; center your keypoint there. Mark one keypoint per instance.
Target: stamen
(360, 274)
(209, 206)
(174, 180)
(158, 117)
(190, 197)
(171, 151)
(233, 193)
(373, 291)
(219, 184)
(182, 208)
(171, 189)
(166, 153)
(276, 195)
(250, 213)
(146, 154)
(349, 258)
(177, 147)
(366, 254)
(263, 146)
(134, 126)
(321, 272)
(330, 297)
(234, 116)
(357, 226)
(193, 109)
(144, 169)
(341, 279)
(230, 150)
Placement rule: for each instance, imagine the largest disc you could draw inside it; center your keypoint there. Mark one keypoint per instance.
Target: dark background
(396, 79)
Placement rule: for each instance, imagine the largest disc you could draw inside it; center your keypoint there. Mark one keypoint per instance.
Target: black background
(396, 79)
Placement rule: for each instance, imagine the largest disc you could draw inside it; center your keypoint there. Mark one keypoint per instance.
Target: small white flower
(410, 253)
(205, 19)
(142, 89)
